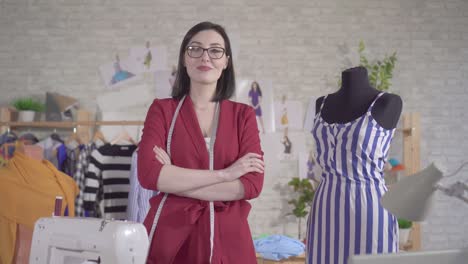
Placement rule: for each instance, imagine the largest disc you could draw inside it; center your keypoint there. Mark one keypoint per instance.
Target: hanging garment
(138, 197)
(79, 176)
(346, 215)
(52, 147)
(28, 188)
(6, 152)
(71, 159)
(28, 138)
(183, 230)
(108, 171)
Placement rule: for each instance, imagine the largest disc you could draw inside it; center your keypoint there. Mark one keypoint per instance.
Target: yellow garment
(284, 119)
(28, 189)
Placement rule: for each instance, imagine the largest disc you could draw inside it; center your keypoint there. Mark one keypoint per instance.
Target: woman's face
(254, 86)
(205, 70)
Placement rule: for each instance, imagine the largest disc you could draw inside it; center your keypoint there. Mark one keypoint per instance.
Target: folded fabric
(278, 247)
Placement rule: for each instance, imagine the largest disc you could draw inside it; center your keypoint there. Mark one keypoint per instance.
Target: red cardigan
(182, 233)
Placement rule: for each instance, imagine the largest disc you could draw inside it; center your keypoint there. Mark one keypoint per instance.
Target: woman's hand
(250, 162)
(161, 155)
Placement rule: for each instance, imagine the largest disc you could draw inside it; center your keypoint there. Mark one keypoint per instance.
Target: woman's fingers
(254, 164)
(160, 160)
(252, 155)
(258, 165)
(161, 155)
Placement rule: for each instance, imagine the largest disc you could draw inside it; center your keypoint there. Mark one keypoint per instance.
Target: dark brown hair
(226, 84)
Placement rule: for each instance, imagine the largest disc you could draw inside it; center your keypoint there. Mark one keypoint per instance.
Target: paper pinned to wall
(138, 95)
(263, 98)
(148, 58)
(118, 72)
(275, 150)
(288, 114)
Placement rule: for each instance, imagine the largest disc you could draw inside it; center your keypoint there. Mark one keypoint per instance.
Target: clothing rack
(71, 124)
(83, 126)
(83, 118)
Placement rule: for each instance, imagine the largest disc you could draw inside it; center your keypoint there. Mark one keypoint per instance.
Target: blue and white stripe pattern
(346, 216)
(138, 197)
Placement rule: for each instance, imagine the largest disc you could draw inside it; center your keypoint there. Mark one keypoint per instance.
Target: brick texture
(300, 45)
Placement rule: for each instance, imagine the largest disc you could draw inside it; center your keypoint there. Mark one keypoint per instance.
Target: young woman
(202, 152)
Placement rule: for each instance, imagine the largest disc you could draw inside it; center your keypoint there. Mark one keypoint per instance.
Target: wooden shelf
(71, 124)
(84, 125)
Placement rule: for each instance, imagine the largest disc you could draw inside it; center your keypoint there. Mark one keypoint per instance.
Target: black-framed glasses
(213, 52)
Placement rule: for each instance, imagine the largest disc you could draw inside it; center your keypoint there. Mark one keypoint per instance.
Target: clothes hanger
(9, 132)
(99, 136)
(56, 136)
(73, 137)
(123, 136)
(83, 135)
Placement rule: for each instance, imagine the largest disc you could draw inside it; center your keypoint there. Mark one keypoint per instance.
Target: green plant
(404, 224)
(304, 193)
(28, 104)
(380, 71)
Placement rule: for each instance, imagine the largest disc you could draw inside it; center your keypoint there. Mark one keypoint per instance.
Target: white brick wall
(55, 45)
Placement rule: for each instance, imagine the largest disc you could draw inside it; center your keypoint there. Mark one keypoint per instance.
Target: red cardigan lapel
(189, 118)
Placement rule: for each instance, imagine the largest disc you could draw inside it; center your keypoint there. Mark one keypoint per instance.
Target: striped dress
(346, 215)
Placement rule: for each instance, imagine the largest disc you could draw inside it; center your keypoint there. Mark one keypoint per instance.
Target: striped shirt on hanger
(107, 180)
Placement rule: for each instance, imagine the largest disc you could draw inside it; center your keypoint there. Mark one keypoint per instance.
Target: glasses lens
(216, 53)
(197, 52)
(194, 51)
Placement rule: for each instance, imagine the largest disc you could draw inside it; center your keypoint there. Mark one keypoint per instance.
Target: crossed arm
(241, 180)
(220, 185)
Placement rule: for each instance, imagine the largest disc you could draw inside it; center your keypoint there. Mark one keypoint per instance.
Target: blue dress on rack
(346, 215)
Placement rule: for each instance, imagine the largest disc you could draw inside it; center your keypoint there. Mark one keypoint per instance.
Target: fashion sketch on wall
(288, 115)
(259, 95)
(118, 72)
(148, 58)
(291, 145)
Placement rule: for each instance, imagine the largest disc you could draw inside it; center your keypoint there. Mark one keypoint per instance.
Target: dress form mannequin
(353, 130)
(354, 98)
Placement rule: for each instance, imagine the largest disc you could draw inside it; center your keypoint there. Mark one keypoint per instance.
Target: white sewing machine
(88, 240)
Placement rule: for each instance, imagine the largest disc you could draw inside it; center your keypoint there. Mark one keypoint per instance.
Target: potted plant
(380, 71)
(304, 195)
(404, 227)
(27, 108)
